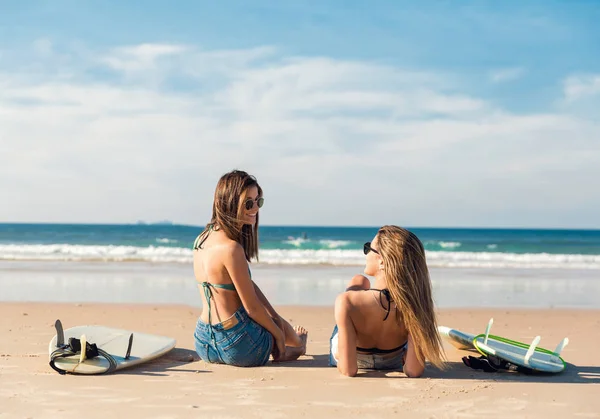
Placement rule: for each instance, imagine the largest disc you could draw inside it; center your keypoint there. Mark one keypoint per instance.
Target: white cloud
(332, 142)
(506, 74)
(141, 57)
(580, 86)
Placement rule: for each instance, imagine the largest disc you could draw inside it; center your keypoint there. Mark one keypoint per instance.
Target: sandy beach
(180, 385)
(142, 144)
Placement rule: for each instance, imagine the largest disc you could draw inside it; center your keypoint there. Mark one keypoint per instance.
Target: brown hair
(407, 279)
(230, 193)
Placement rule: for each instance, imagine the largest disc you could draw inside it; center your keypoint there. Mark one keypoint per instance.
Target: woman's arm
(264, 301)
(237, 267)
(274, 315)
(346, 356)
(412, 367)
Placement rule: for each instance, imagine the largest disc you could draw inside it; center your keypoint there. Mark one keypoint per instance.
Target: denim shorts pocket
(230, 340)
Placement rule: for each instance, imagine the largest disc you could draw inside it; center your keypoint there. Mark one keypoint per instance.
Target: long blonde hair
(230, 194)
(407, 279)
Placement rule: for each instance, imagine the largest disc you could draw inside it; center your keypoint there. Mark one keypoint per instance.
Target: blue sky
(349, 113)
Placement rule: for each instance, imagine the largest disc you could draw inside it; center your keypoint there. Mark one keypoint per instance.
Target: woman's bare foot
(303, 335)
(294, 352)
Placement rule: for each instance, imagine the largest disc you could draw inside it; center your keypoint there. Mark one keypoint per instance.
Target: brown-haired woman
(238, 326)
(393, 324)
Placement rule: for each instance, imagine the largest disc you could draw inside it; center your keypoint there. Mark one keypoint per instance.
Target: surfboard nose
(444, 331)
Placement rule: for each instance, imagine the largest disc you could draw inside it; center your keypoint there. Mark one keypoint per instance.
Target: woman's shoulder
(355, 299)
(227, 246)
(218, 241)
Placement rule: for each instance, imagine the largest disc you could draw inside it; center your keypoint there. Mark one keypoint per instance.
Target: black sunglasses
(367, 248)
(249, 204)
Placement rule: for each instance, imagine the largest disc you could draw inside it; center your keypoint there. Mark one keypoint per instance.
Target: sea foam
(332, 256)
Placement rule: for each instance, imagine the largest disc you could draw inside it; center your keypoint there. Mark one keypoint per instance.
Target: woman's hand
(279, 347)
(412, 366)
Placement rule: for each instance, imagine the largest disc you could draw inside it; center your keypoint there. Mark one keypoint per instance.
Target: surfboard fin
(487, 330)
(129, 346)
(531, 349)
(563, 343)
(60, 335)
(83, 341)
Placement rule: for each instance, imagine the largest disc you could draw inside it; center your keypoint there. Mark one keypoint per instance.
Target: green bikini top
(229, 287)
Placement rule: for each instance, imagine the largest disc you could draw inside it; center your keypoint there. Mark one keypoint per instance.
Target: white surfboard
(517, 353)
(113, 344)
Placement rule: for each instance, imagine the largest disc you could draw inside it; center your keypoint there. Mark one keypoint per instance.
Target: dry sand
(179, 385)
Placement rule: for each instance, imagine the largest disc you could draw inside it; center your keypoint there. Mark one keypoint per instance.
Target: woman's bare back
(370, 307)
(209, 266)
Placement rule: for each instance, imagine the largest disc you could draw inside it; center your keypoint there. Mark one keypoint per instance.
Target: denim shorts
(238, 341)
(373, 361)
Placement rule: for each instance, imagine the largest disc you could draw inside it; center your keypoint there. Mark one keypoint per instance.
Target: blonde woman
(392, 325)
(238, 326)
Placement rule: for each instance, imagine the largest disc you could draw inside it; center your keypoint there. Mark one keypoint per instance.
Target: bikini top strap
(229, 287)
(208, 294)
(196, 243)
(388, 297)
(202, 237)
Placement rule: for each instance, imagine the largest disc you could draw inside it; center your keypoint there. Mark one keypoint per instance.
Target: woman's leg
(293, 337)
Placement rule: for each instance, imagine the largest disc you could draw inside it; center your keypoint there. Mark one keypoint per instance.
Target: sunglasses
(249, 204)
(367, 248)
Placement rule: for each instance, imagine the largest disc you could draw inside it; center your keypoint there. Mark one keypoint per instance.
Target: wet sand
(134, 282)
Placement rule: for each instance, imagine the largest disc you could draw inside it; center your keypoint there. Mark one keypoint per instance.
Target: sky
(421, 114)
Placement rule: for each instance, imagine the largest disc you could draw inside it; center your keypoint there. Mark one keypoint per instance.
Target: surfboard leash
(64, 350)
(491, 363)
(74, 348)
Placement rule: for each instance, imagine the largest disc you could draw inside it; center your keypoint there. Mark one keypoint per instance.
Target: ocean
(445, 247)
(152, 263)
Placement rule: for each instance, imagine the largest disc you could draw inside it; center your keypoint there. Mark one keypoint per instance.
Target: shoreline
(291, 285)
